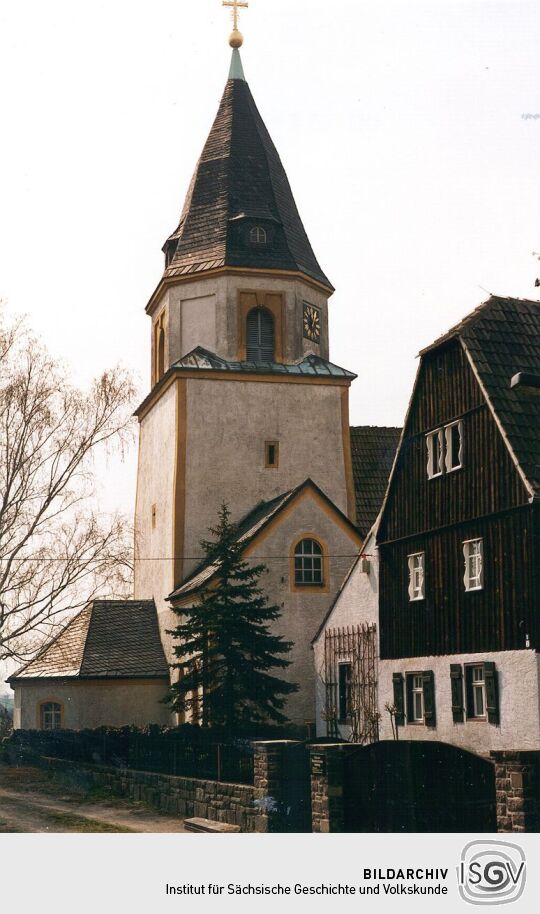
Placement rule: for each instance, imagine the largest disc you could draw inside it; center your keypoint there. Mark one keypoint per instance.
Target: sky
(410, 132)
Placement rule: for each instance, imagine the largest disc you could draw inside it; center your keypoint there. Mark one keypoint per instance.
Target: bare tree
(57, 551)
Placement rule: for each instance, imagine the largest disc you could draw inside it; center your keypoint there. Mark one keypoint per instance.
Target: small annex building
(106, 668)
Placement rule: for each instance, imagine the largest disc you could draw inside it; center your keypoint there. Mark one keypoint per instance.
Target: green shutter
(456, 682)
(397, 679)
(492, 692)
(428, 682)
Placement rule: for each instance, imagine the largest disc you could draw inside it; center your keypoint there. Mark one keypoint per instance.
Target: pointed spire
(239, 210)
(236, 71)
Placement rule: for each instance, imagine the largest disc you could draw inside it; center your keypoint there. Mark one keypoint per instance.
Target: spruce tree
(225, 648)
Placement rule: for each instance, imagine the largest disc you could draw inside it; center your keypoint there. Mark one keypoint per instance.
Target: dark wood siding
(450, 620)
(488, 482)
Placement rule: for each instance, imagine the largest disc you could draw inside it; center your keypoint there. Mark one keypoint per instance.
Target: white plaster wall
(89, 704)
(357, 603)
(154, 547)
(186, 329)
(518, 676)
(228, 424)
(302, 612)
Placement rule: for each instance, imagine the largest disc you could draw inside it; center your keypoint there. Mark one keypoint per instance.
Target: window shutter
(397, 680)
(428, 681)
(260, 336)
(492, 693)
(409, 697)
(469, 692)
(456, 682)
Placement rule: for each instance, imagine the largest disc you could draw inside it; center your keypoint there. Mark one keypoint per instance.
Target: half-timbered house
(458, 540)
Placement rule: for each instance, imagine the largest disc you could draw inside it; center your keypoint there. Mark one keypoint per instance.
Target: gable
(446, 389)
(305, 510)
(356, 601)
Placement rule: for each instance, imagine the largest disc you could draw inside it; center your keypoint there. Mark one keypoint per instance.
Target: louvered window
(260, 336)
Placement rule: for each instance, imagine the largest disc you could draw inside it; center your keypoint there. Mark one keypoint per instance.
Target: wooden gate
(418, 786)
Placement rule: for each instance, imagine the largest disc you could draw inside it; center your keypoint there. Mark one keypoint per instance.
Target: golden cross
(235, 5)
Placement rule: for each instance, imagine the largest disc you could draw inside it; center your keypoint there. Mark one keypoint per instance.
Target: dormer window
(258, 235)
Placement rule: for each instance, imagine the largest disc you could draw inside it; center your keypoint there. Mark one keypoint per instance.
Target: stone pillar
(327, 784)
(272, 774)
(517, 783)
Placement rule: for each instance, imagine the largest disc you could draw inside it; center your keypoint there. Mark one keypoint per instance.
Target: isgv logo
(491, 872)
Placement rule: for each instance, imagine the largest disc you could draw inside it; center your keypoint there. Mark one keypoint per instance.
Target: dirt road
(31, 801)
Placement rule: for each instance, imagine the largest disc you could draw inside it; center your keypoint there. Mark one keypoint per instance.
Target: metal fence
(164, 751)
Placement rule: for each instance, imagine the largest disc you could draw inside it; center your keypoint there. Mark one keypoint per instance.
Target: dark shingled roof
(240, 182)
(502, 339)
(373, 449)
(109, 639)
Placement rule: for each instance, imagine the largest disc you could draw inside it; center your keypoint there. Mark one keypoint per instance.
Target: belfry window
(257, 235)
(260, 336)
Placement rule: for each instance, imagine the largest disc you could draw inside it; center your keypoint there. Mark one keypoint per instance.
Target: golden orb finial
(236, 39)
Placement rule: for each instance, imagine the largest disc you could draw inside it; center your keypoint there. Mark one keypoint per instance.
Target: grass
(69, 823)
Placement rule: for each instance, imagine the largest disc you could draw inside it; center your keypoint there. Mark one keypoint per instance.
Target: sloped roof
(501, 339)
(239, 177)
(199, 359)
(311, 365)
(373, 449)
(109, 639)
(247, 530)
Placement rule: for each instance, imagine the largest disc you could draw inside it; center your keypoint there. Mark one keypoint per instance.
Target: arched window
(260, 336)
(160, 354)
(257, 235)
(308, 563)
(50, 715)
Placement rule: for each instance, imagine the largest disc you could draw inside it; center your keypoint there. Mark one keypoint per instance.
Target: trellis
(356, 645)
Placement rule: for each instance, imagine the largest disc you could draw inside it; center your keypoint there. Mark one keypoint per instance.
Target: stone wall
(235, 804)
(278, 801)
(517, 782)
(327, 777)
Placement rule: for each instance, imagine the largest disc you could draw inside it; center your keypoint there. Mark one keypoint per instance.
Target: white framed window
(416, 576)
(435, 449)
(454, 446)
(308, 563)
(51, 715)
(477, 690)
(417, 698)
(445, 449)
(473, 552)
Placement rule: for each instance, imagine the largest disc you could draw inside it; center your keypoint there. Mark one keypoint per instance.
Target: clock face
(312, 323)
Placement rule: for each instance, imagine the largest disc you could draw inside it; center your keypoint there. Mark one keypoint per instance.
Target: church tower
(244, 404)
